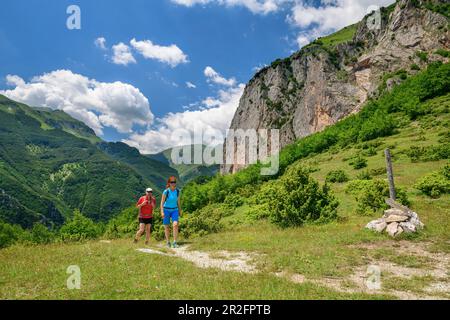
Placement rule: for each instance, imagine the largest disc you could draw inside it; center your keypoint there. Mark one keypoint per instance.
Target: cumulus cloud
(214, 77)
(328, 16)
(122, 54)
(97, 104)
(215, 115)
(255, 6)
(171, 55)
(190, 85)
(100, 43)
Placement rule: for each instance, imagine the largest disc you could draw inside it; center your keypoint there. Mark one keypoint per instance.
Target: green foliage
(338, 176)
(40, 234)
(359, 162)
(203, 221)
(10, 234)
(443, 53)
(233, 201)
(364, 175)
(296, 199)
(371, 194)
(429, 153)
(435, 184)
(79, 228)
(439, 7)
(415, 67)
(422, 55)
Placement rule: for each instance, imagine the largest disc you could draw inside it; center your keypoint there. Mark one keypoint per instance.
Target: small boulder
(408, 227)
(399, 231)
(377, 225)
(394, 212)
(396, 218)
(417, 223)
(392, 229)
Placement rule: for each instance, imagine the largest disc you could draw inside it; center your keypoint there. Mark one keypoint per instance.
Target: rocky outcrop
(321, 84)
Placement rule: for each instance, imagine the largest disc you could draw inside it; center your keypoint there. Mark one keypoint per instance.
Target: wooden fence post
(390, 174)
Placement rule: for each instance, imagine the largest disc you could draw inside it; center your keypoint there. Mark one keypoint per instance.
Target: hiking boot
(168, 245)
(146, 242)
(175, 245)
(135, 241)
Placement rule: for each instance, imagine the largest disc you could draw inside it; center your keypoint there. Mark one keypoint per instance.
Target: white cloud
(172, 55)
(190, 85)
(97, 104)
(255, 6)
(215, 114)
(100, 43)
(213, 76)
(14, 81)
(122, 54)
(329, 16)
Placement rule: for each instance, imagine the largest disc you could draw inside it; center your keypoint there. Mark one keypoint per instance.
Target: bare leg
(175, 231)
(147, 233)
(140, 231)
(167, 232)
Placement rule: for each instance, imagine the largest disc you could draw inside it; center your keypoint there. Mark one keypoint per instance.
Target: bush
(40, 234)
(359, 163)
(203, 221)
(10, 234)
(79, 228)
(296, 198)
(371, 194)
(435, 184)
(430, 153)
(233, 201)
(364, 175)
(337, 176)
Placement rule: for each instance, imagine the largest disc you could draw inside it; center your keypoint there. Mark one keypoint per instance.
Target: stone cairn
(399, 218)
(396, 220)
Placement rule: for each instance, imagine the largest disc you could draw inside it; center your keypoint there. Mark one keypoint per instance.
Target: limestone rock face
(316, 87)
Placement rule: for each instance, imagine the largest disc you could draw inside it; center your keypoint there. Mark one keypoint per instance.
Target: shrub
(371, 194)
(9, 234)
(435, 184)
(79, 228)
(203, 221)
(359, 162)
(337, 176)
(233, 201)
(296, 198)
(40, 234)
(364, 175)
(429, 153)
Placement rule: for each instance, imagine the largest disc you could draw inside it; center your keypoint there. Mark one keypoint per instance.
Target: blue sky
(147, 96)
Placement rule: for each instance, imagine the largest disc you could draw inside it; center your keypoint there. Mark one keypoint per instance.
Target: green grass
(117, 271)
(344, 35)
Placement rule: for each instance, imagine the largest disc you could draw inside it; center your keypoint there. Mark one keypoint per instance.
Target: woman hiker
(171, 209)
(146, 204)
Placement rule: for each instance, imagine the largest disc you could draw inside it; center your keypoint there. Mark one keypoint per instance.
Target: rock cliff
(334, 76)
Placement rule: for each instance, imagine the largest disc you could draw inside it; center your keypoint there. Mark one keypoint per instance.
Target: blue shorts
(170, 214)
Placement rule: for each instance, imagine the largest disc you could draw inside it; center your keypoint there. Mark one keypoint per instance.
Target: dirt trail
(224, 260)
(355, 283)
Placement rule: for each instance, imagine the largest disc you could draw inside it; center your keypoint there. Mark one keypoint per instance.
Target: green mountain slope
(49, 167)
(154, 171)
(186, 172)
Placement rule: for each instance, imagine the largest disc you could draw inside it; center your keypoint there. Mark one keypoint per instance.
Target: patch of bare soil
(224, 260)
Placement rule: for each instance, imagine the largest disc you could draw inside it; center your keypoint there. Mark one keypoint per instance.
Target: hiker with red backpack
(171, 210)
(146, 204)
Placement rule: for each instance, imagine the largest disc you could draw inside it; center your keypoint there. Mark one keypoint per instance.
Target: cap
(149, 190)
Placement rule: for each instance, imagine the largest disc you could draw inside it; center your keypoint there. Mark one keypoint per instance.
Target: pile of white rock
(397, 220)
